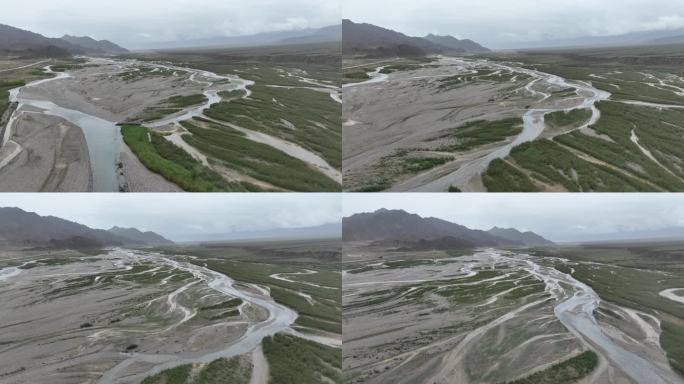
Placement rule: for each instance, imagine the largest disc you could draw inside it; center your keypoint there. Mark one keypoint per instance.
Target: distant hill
(652, 37)
(299, 36)
(15, 41)
(325, 231)
(91, 45)
(371, 40)
(450, 42)
(18, 227)
(149, 237)
(326, 34)
(525, 238)
(411, 230)
(669, 40)
(674, 233)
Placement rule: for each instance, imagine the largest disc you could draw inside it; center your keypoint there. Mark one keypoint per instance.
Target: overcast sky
(182, 216)
(558, 217)
(504, 23)
(133, 22)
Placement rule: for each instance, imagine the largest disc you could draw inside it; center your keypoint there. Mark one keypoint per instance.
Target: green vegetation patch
(503, 177)
(405, 162)
(574, 118)
(322, 314)
(356, 76)
(480, 132)
(568, 371)
(172, 105)
(178, 375)
(236, 370)
(64, 67)
(143, 72)
(399, 67)
(391, 168)
(488, 75)
(5, 87)
(417, 164)
(222, 310)
(296, 361)
(471, 294)
(165, 158)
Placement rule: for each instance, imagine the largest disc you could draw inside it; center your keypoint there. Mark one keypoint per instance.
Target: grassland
(554, 165)
(296, 361)
(232, 149)
(608, 160)
(314, 115)
(165, 158)
(566, 372)
(236, 370)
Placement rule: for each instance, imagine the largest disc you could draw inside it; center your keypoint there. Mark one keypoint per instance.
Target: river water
(280, 318)
(6, 273)
(575, 306)
(533, 120)
(103, 137)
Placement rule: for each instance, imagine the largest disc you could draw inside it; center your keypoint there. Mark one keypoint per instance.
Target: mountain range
(18, 42)
(371, 40)
(327, 34)
(411, 230)
(671, 233)
(18, 227)
(651, 37)
(324, 231)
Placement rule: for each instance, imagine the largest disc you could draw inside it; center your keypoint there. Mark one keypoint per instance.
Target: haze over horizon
(564, 217)
(135, 24)
(187, 216)
(501, 24)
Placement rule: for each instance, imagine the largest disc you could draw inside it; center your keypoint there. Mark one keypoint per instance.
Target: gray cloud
(503, 23)
(135, 22)
(184, 216)
(559, 217)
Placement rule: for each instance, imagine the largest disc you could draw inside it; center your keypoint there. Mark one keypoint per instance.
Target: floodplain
(266, 312)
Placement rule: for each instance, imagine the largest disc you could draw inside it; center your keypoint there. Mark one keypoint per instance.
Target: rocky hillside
(371, 40)
(18, 42)
(411, 231)
(21, 228)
